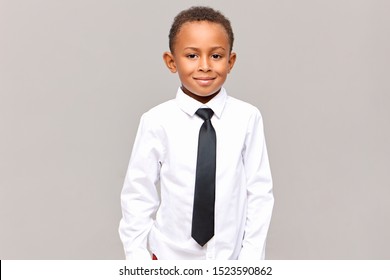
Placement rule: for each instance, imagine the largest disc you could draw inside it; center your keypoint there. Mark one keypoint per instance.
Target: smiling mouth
(204, 81)
(204, 78)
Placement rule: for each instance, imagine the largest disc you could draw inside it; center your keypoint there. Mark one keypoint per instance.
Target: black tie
(204, 198)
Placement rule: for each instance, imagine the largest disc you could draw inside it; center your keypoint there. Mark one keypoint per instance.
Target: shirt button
(210, 256)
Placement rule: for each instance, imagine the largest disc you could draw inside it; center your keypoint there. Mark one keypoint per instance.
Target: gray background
(75, 77)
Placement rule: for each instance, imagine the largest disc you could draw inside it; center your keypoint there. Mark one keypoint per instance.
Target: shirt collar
(190, 105)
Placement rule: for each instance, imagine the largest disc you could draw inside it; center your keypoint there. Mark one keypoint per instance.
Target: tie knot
(205, 113)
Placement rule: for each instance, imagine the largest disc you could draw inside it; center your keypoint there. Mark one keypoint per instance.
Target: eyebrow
(212, 49)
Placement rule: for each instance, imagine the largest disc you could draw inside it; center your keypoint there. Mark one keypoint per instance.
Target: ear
(232, 60)
(170, 61)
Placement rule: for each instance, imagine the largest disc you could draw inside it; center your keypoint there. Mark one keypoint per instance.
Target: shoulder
(159, 112)
(242, 108)
(244, 114)
(154, 118)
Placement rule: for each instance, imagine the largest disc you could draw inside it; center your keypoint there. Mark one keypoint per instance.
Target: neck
(202, 99)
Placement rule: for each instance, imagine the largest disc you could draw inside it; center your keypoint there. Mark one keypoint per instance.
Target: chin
(206, 93)
(202, 92)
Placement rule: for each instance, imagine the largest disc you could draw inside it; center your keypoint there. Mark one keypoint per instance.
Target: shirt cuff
(139, 255)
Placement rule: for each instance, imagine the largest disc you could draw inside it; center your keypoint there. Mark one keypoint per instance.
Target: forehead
(203, 33)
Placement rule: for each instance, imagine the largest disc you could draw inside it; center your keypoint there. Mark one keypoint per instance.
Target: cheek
(222, 71)
(185, 68)
(223, 68)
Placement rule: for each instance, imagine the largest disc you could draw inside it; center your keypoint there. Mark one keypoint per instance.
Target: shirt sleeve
(139, 197)
(259, 191)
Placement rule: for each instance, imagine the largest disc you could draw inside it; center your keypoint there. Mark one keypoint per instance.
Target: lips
(204, 81)
(204, 78)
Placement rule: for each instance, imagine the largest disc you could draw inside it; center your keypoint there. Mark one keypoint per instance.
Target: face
(202, 58)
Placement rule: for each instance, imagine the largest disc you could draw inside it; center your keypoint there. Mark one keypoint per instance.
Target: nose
(204, 64)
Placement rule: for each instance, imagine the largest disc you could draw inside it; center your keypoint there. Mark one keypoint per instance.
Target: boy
(206, 150)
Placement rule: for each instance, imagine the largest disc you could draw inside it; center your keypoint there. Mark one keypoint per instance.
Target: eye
(216, 56)
(192, 56)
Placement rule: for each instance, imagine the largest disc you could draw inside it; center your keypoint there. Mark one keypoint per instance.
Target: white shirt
(165, 154)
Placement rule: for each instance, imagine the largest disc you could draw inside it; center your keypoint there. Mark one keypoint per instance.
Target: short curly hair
(199, 13)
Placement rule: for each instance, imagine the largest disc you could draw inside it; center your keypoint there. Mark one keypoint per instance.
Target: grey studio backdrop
(75, 77)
